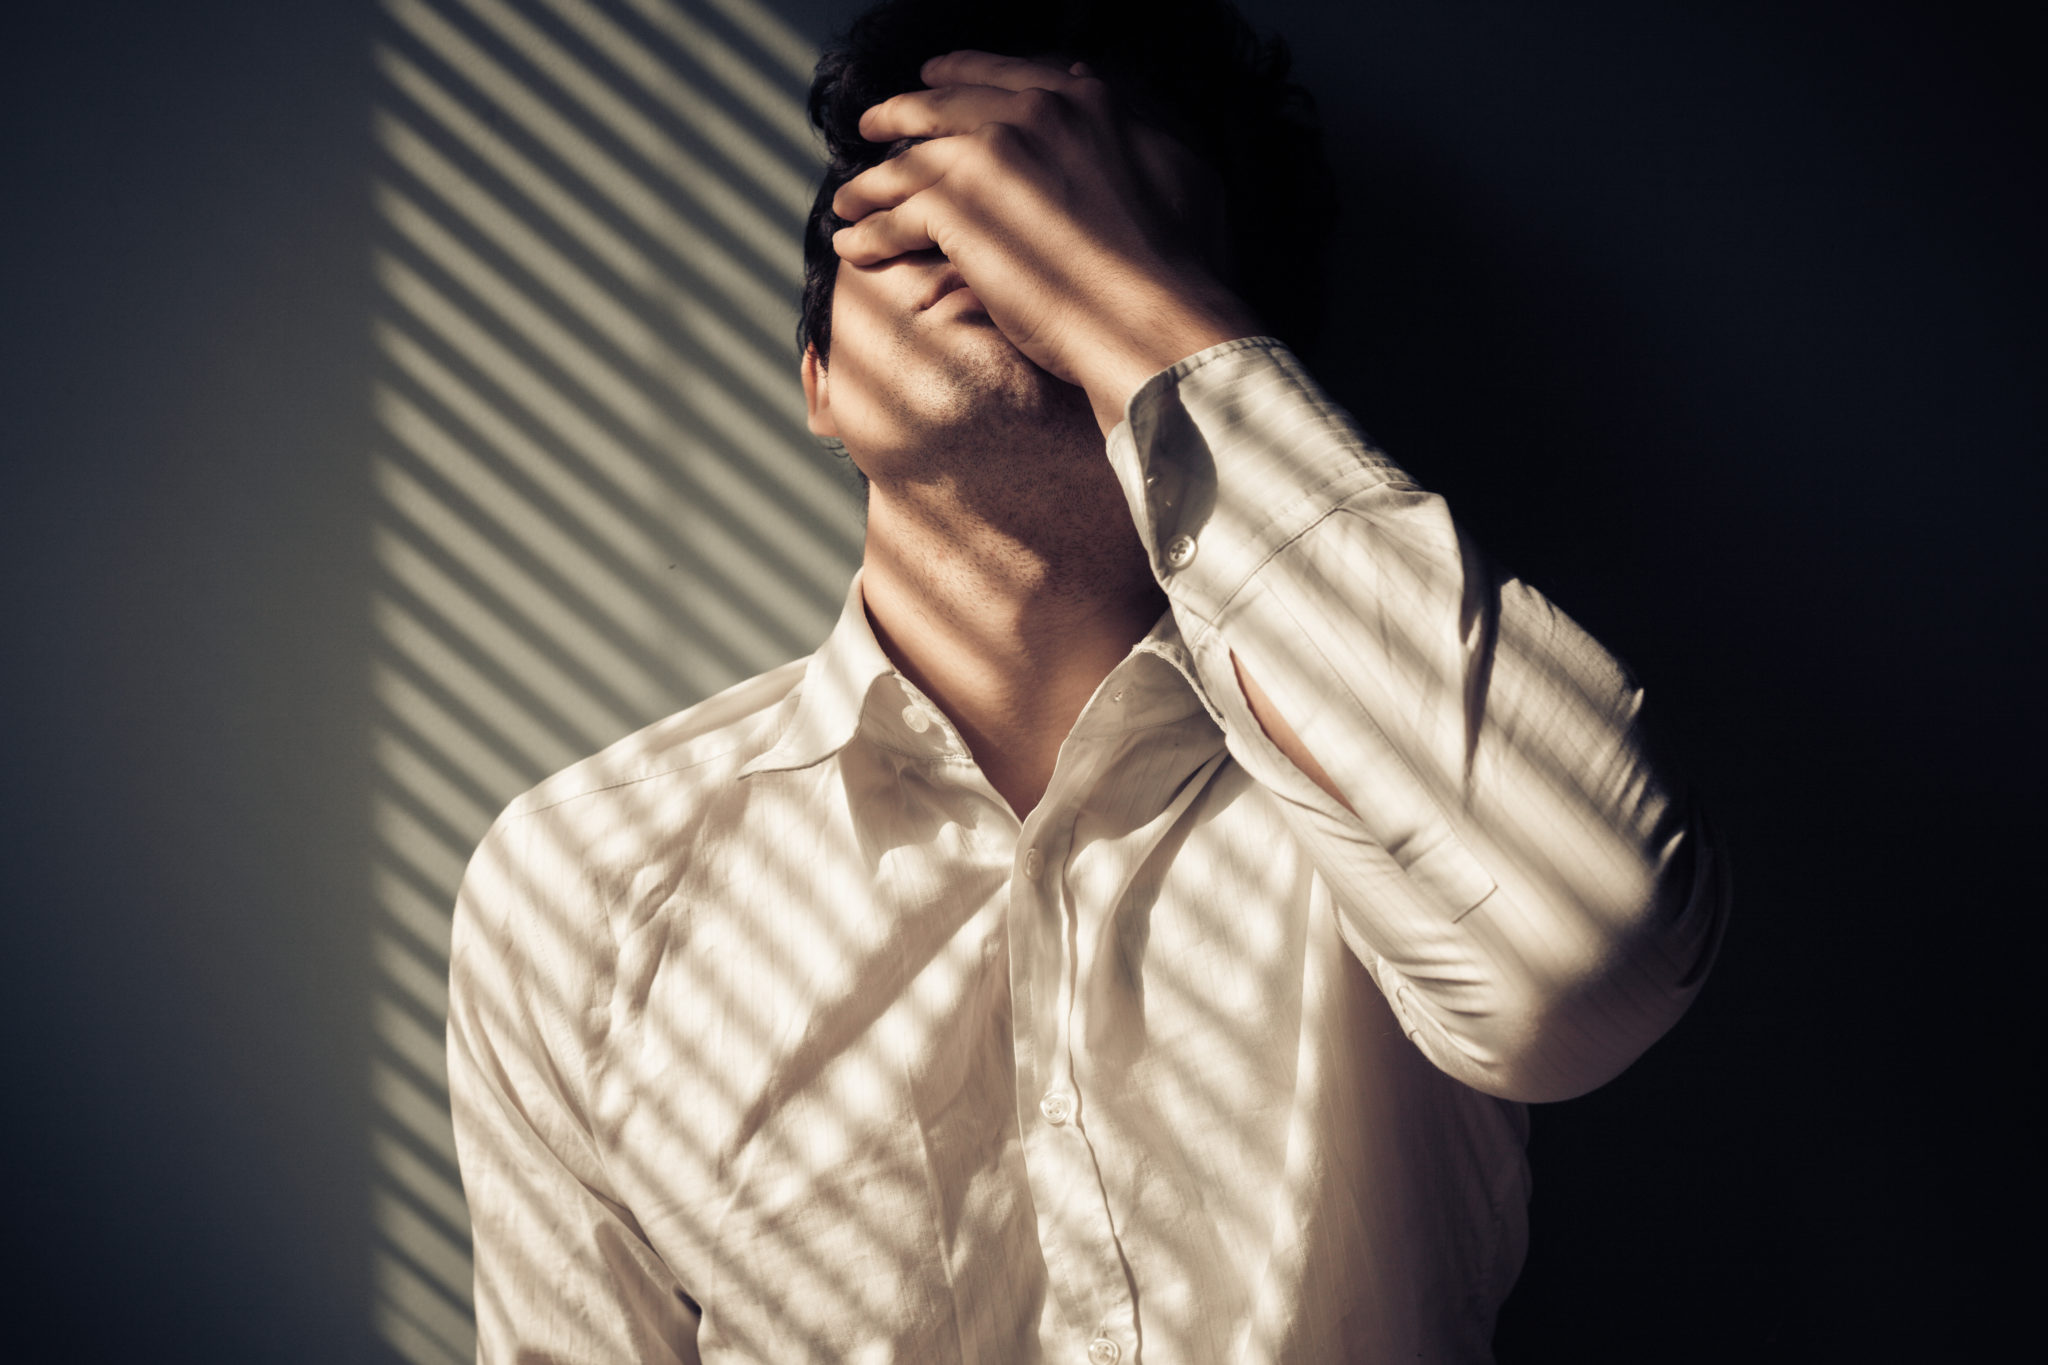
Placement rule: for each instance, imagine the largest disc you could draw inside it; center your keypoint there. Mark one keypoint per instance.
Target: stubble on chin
(975, 407)
(1005, 465)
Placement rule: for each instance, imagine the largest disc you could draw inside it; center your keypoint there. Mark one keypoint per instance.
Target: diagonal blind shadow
(597, 502)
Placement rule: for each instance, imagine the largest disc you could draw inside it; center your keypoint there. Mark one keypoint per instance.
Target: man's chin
(984, 352)
(1016, 385)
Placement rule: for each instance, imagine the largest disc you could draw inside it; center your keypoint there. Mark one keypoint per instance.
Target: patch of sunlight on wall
(597, 502)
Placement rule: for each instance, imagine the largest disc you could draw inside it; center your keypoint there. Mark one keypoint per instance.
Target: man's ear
(818, 395)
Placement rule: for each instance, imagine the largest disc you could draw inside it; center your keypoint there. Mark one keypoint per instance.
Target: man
(1133, 935)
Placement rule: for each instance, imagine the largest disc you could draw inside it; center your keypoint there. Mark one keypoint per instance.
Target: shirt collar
(834, 691)
(1156, 684)
(1164, 642)
(840, 678)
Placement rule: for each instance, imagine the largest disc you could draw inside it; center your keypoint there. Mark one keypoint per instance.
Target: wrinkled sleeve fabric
(1532, 895)
(563, 1273)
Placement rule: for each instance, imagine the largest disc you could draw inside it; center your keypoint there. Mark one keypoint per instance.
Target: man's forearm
(1462, 761)
(1282, 734)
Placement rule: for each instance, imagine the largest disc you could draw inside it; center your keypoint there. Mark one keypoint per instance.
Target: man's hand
(1081, 230)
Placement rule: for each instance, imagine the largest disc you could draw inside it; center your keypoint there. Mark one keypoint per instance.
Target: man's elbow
(1581, 990)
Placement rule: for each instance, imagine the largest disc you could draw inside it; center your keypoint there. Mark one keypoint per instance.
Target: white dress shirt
(776, 1036)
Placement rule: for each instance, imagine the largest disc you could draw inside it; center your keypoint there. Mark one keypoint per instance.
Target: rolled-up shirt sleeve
(1534, 897)
(563, 1272)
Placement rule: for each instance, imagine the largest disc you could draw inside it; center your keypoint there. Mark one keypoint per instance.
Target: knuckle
(989, 138)
(1004, 149)
(1038, 105)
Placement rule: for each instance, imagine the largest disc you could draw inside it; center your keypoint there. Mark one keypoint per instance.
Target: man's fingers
(944, 112)
(879, 236)
(970, 89)
(895, 180)
(968, 67)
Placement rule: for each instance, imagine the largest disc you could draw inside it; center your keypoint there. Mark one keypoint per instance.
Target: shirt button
(1033, 864)
(1103, 1351)
(1180, 552)
(916, 719)
(1057, 1109)
(1118, 695)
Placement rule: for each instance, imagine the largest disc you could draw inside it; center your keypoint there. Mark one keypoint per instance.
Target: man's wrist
(1151, 334)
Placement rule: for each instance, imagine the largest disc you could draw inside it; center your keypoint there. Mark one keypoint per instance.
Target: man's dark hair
(1195, 69)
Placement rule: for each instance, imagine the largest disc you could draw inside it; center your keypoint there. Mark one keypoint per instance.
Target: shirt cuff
(1226, 457)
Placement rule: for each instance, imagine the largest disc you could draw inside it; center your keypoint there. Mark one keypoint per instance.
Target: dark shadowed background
(1720, 322)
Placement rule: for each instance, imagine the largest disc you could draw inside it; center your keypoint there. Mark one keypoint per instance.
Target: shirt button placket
(1082, 1257)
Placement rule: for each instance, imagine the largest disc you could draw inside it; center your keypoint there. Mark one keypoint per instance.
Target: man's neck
(1009, 637)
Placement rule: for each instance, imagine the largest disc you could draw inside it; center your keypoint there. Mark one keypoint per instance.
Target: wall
(1721, 323)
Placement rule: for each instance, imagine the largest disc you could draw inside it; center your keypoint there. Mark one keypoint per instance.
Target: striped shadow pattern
(597, 502)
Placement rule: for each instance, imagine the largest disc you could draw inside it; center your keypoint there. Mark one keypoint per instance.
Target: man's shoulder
(542, 896)
(699, 745)
(641, 801)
